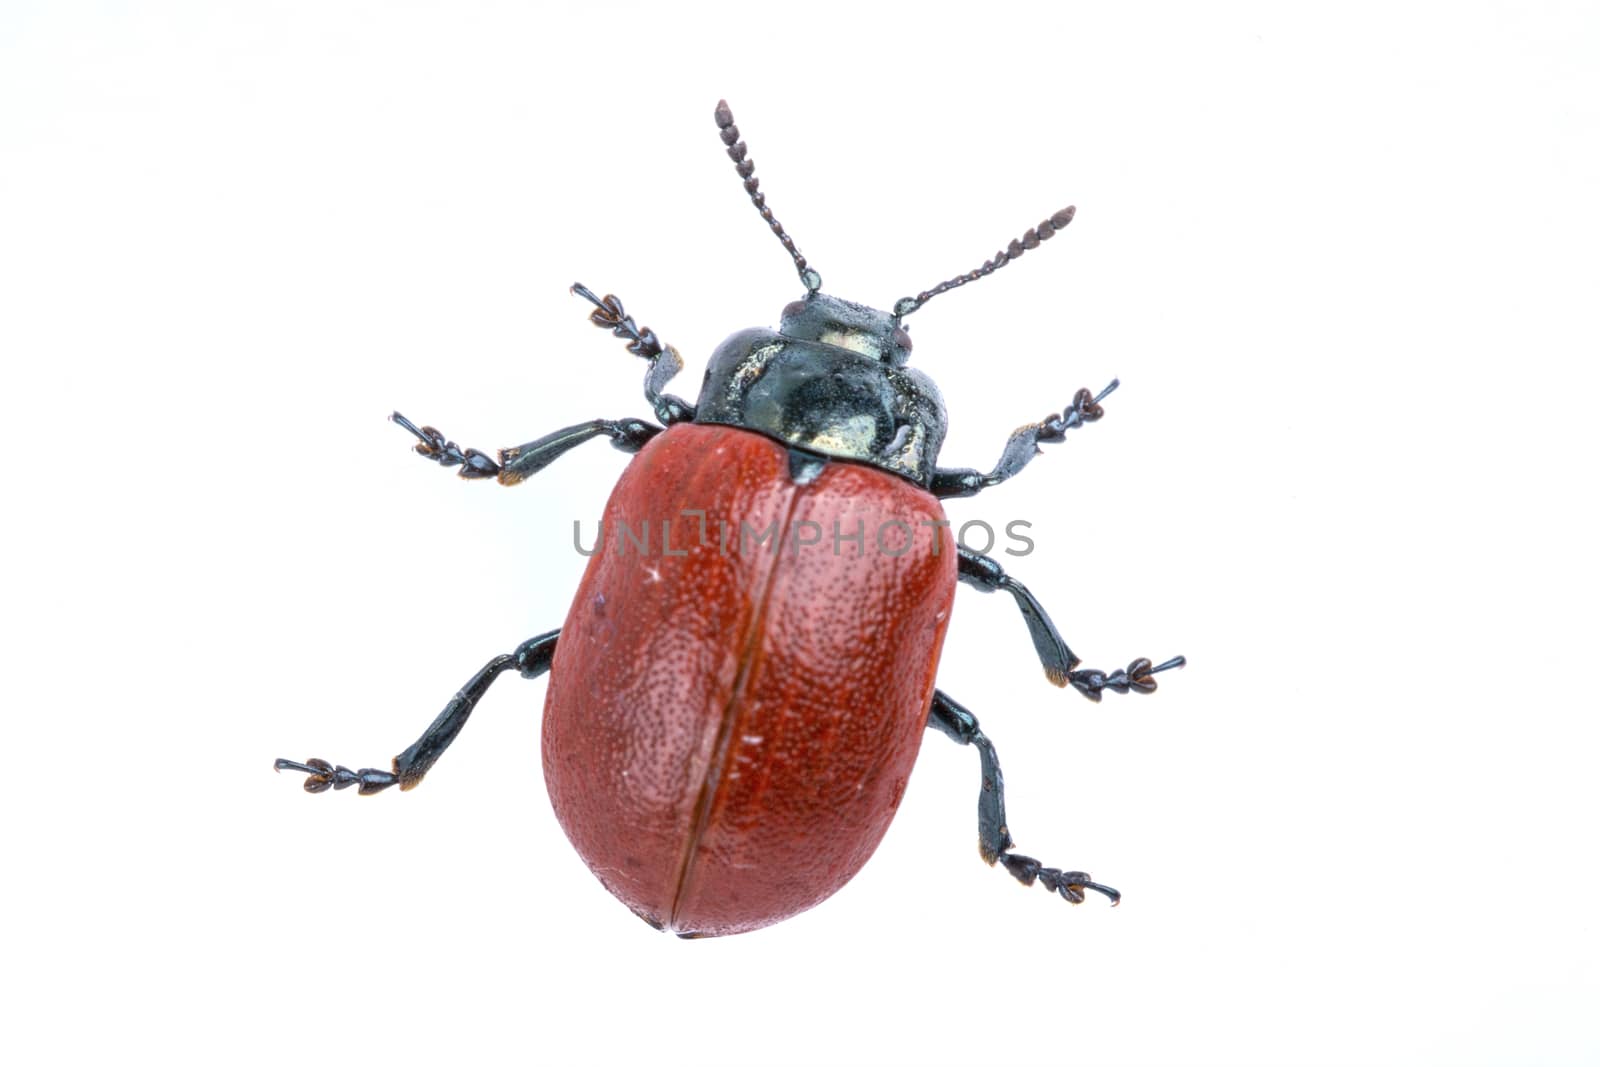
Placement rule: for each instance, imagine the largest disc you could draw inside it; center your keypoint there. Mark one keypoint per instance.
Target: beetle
(731, 717)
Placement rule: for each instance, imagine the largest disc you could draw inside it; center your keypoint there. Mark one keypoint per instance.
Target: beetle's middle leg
(628, 435)
(523, 461)
(531, 660)
(994, 838)
(985, 573)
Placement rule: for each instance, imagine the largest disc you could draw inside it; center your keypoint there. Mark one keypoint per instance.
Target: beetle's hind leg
(994, 838)
(985, 573)
(531, 660)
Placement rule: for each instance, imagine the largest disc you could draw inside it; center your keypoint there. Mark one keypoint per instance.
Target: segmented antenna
(738, 151)
(1042, 232)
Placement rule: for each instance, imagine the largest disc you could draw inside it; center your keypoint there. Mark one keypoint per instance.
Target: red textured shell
(731, 720)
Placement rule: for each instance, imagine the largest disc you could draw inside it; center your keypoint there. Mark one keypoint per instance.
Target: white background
(1344, 263)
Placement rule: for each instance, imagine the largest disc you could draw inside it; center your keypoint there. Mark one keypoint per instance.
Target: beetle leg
(985, 573)
(960, 725)
(516, 464)
(665, 363)
(531, 659)
(1022, 446)
(994, 838)
(1136, 677)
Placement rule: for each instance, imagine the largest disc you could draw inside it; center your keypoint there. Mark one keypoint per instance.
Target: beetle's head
(842, 324)
(832, 379)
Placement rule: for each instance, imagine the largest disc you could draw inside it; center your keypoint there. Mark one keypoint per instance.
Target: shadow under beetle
(732, 718)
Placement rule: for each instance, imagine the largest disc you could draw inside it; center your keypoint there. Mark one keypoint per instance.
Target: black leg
(985, 573)
(1022, 446)
(994, 839)
(627, 435)
(531, 659)
(1135, 677)
(664, 360)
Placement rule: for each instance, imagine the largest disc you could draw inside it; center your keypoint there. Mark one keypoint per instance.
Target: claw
(428, 442)
(291, 765)
(1068, 884)
(1085, 408)
(433, 445)
(322, 776)
(608, 314)
(1108, 390)
(1135, 677)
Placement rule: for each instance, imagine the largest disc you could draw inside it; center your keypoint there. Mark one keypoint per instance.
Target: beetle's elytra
(741, 685)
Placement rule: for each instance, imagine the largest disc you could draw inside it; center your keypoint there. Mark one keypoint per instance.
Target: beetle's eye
(794, 309)
(902, 338)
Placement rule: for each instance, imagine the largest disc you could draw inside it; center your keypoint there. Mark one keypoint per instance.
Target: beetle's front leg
(627, 435)
(994, 837)
(985, 573)
(1022, 446)
(664, 360)
(531, 659)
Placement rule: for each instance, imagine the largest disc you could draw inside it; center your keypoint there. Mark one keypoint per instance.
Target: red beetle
(741, 686)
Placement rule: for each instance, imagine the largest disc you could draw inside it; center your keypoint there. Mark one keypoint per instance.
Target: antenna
(738, 151)
(1042, 232)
